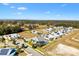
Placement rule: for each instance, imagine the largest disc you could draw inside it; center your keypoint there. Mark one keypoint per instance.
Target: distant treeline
(74, 24)
(44, 22)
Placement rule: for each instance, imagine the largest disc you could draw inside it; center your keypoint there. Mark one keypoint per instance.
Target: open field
(64, 50)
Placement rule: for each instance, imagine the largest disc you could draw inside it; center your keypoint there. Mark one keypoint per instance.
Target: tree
(9, 29)
(34, 46)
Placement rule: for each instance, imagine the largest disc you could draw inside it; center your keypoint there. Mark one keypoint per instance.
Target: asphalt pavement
(32, 52)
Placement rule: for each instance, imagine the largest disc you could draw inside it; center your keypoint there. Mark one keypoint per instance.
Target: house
(53, 35)
(14, 36)
(19, 42)
(49, 36)
(5, 36)
(27, 39)
(54, 27)
(1, 37)
(34, 31)
(69, 29)
(52, 32)
(11, 36)
(39, 42)
(60, 33)
(49, 29)
(34, 40)
(56, 35)
(7, 52)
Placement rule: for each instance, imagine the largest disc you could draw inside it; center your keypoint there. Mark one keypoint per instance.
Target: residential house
(14, 36)
(49, 29)
(39, 41)
(1, 37)
(34, 31)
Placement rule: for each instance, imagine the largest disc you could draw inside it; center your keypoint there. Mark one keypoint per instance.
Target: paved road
(33, 52)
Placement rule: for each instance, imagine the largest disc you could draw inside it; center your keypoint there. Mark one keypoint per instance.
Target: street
(33, 52)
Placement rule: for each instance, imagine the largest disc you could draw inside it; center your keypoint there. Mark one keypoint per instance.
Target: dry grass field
(27, 34)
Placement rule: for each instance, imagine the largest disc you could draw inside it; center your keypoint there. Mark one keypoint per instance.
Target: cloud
(47, 12)
(22, 8)
(12, 7)
(63, 5)
(5, 4)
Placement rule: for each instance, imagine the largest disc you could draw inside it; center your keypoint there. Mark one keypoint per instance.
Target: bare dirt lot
(64, 50)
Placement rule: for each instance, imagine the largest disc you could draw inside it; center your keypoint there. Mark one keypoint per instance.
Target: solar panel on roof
(4, 51)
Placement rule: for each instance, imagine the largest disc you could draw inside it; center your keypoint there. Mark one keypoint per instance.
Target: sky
(40, 11)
